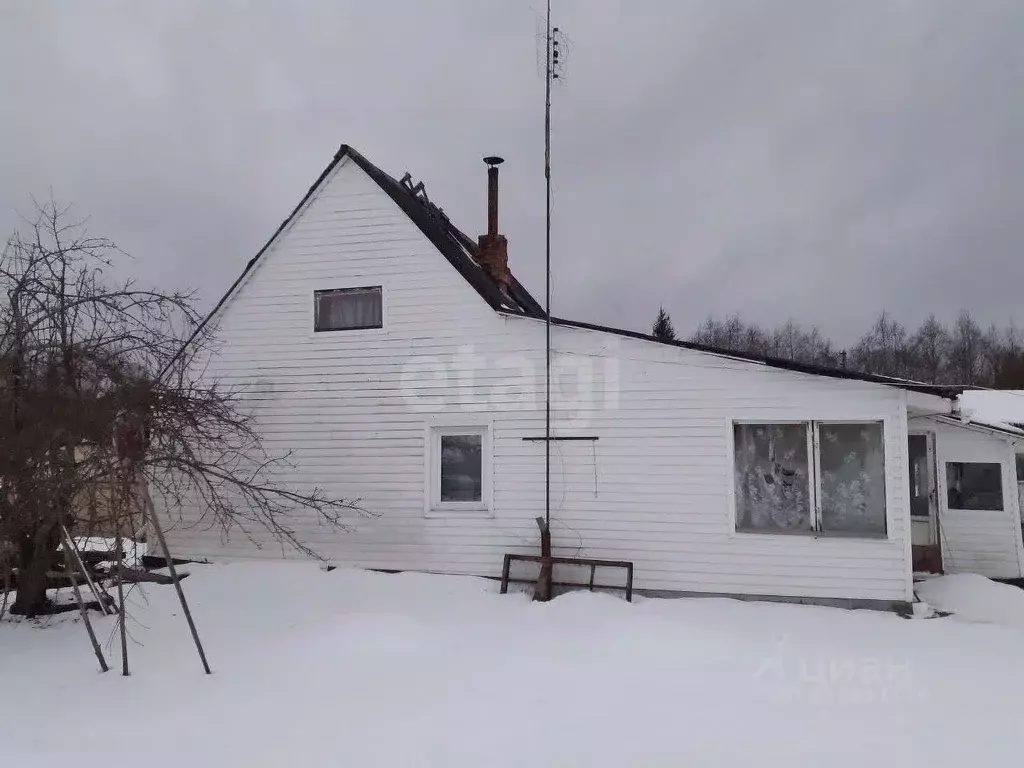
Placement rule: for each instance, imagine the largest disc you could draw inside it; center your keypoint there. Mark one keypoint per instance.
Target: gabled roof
(457, 247)
(461, 252)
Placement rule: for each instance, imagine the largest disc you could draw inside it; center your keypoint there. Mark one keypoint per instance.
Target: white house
(404, 366)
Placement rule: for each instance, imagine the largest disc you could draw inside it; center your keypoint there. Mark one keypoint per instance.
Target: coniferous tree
(663, 329)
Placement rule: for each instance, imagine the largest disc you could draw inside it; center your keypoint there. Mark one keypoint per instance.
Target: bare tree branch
(103, 396)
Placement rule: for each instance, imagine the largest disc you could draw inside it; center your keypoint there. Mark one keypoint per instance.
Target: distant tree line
(963, 353)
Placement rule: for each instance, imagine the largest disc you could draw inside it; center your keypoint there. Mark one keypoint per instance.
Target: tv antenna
(554, 49)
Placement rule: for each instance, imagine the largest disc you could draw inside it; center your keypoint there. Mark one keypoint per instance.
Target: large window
(801, 477)
(459, 468)
(773, 490)
(974, 485)
(348, 309)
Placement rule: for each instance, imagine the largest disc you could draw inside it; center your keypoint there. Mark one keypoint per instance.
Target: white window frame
(813, 428)
(373, 329)
(433, 506)
(1002, 486)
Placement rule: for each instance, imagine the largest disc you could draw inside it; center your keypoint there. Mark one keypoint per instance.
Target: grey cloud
(816, 159)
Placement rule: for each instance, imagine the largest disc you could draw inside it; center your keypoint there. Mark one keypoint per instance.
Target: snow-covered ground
(351, 668)
(970, 597)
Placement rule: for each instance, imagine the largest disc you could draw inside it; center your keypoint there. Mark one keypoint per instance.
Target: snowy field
(361, 669)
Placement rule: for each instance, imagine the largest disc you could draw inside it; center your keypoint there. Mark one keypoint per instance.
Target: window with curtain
(805, 477)
(348, 309)
(851, 460)
(773, 492)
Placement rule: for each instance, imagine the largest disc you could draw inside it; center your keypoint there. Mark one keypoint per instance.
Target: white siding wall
(979, 541)
(655, 488)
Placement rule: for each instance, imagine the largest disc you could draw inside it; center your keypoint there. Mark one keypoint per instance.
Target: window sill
(470, 513)
(757, 532)
(852, 535)
(814, 534)
(343, 333)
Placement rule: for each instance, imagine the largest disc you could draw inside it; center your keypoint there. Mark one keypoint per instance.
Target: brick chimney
(493, 255)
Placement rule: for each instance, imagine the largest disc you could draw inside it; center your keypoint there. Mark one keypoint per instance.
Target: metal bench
(549, 561)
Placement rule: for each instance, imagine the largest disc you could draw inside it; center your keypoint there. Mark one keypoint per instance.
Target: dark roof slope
(941, 390)
(455, 245)
(461, 251)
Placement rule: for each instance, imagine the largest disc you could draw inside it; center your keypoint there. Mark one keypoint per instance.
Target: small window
(348, 309)
(462, 472)
(459, 468)
(974, 485)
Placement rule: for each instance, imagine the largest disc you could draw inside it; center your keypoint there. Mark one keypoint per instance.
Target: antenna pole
(547, 267)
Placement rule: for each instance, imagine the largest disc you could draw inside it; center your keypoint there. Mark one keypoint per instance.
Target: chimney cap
(493, 160)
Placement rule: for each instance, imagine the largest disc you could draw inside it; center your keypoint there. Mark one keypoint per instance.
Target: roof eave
(938, 390)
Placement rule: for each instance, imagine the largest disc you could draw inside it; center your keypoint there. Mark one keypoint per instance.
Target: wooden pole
(119, 553)
(84, 611)
(546, 576)
(69, 546)
(150, 512)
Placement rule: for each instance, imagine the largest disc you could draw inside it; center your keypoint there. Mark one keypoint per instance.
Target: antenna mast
(551, 73)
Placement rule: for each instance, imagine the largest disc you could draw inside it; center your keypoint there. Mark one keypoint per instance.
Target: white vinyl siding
(655, 487)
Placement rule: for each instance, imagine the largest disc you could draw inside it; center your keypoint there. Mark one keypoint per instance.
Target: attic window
(348, 309)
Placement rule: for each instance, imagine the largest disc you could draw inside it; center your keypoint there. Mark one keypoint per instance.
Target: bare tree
(967, 352)
(100, 386)
(930, 345)
(790, 341)
(1006, 357)
(931, 354)
(884, 349)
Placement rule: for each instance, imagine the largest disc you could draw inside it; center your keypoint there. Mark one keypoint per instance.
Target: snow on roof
(990, 425)
(994, 406)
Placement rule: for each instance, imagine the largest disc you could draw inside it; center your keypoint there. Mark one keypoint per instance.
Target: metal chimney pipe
(492, 194)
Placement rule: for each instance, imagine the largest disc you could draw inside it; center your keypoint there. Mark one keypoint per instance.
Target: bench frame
(549, 561)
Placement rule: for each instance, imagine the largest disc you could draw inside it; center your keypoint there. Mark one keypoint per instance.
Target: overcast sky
(811, 159)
